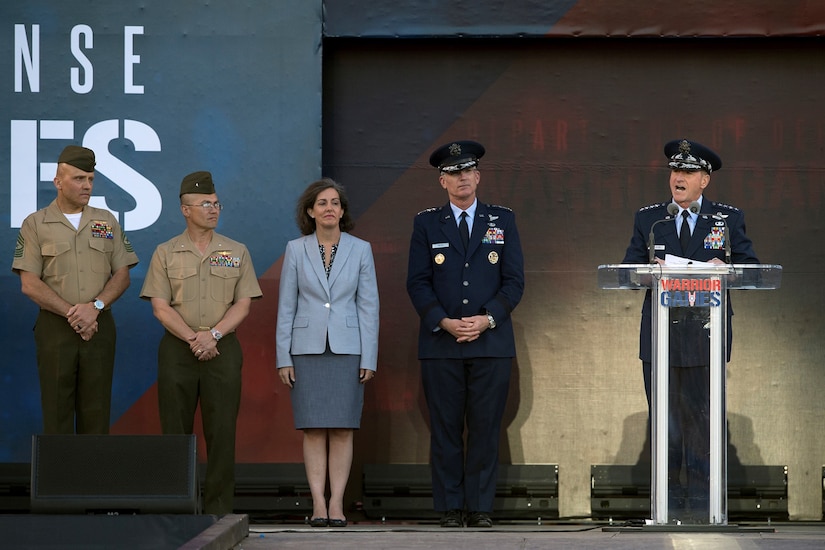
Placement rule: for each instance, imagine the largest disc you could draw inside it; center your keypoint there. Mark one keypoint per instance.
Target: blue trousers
(467, 393)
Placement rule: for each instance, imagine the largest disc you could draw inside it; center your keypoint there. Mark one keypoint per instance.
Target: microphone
(694, 207)
(672, 210)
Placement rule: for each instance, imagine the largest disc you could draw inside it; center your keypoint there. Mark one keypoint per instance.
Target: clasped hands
(465, 329)
(83, 319)
(203, 345)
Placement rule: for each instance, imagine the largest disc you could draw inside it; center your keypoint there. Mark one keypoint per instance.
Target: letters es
(27, 171)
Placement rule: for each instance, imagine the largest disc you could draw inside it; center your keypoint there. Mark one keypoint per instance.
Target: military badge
(224, 258)
(127, 243)
(715, 240)
(494, 235)
(493, 257)
(439, 258)
(20, 247)
(102, 230)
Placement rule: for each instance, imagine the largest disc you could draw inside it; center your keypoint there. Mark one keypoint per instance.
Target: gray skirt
(327, 392)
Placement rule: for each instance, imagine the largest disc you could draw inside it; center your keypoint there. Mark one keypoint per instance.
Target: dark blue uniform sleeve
(637, 252)
(445, 281)
(420, 277)
(511, 287)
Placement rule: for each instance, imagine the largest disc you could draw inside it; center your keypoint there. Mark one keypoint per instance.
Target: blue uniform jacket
(443, 281)
(689, 346)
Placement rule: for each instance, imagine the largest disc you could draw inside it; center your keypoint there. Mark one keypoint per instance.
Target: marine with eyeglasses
(201, 285)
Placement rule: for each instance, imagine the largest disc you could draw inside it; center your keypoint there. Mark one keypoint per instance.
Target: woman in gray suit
(327, 339)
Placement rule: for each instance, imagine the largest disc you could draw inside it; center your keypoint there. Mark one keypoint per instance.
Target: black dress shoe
(337, 522)
(452, 518)
(318, 522)
(479, 519)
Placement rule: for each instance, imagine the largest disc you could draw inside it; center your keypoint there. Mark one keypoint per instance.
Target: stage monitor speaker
(398, 491)
(82, 474)
(15, 482)
(523, 491)
(266, 489)
(755, 492)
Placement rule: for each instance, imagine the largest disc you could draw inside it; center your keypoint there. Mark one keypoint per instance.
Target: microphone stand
(672, 209)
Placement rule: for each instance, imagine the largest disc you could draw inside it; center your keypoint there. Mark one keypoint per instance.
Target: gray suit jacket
(342, 309)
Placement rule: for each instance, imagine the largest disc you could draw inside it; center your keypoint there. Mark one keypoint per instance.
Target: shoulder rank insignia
(725, 206)
(652, 206)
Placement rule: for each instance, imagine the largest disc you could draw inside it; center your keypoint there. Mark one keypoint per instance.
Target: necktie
(464, 230)
(684, 233)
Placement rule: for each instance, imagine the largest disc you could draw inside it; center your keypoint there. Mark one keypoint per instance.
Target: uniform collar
(471, 210)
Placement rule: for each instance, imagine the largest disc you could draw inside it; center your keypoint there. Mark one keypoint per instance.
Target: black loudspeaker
(523, 491)
(267, 489)
(755, 492)
(81, 474)
(15, 483)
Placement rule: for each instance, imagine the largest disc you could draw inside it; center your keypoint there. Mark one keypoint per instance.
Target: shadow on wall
(742, 448)
(508, 450)
(519, 404)
(511, 450)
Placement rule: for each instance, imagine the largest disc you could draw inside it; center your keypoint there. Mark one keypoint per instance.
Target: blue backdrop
(158, 90)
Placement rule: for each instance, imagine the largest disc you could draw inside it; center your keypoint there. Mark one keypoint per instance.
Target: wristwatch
(99, 305)
(216, 334)
(491, 320)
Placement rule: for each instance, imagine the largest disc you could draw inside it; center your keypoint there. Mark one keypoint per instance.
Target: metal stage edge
(653, 528)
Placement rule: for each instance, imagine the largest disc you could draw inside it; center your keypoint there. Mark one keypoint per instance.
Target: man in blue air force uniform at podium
(465, 277)
(694, 229)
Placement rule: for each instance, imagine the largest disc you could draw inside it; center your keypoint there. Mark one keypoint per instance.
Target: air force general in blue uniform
(693, 227)
(464, 295)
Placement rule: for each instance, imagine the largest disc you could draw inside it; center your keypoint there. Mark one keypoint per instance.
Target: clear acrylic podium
(689, 305)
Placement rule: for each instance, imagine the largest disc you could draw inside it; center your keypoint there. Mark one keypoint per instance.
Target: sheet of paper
(673, 260)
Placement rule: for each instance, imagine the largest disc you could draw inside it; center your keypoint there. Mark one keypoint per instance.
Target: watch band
(491, 320)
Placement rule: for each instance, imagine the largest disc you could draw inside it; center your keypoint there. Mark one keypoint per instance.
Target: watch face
(98, 304)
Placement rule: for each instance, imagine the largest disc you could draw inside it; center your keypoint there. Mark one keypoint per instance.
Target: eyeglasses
(206, 205)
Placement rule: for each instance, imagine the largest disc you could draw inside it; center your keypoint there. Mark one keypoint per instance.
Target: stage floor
(121, 531)
(235, 532)
(785, 536)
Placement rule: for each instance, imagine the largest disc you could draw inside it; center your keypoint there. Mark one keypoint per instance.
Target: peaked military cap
(457, 156)
(689, 155)
(79, 157)
(197, 182)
